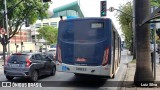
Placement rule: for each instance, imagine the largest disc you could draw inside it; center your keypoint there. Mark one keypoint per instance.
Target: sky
(91, 8)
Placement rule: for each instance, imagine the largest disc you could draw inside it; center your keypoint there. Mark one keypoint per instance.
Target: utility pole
(6, 13)
(21, 40)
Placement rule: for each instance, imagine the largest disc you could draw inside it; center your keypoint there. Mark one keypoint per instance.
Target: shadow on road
(76, 81)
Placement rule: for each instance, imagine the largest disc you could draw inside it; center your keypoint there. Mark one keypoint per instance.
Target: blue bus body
(85, 46)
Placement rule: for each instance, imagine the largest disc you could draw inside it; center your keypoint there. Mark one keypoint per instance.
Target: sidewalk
(1, 63)
(129, 78)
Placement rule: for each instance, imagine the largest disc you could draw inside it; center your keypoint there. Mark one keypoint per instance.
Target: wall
(27, 47)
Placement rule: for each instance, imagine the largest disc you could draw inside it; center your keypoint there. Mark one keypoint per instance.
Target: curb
(126, 77)
(123, 78)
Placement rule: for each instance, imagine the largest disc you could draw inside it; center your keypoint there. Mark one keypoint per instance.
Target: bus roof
(88, 18)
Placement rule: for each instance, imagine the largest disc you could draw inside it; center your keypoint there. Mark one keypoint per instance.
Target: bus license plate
(81, 69)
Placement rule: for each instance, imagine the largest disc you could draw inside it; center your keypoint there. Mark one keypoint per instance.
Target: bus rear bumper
(90, 70)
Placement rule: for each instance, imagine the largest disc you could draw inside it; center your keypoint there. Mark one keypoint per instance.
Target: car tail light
(59, 54)
(28, 62)
(105, 57)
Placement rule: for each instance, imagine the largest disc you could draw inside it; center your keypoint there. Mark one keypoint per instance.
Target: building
(68, 11)
(15, 42)
(28, 35)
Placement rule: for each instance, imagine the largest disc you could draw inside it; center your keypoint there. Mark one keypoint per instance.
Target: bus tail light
(105, 57)
(59, 54)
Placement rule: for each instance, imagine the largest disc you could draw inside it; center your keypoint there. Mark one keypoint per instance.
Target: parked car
(52, 50)
(50, 55)
(30, 65)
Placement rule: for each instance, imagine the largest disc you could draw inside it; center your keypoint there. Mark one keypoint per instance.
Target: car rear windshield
(18, 58)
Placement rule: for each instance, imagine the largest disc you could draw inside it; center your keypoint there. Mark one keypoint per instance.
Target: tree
(126, 22)
(49, 33)
(155, 3)
(143, 56)
(30, 10)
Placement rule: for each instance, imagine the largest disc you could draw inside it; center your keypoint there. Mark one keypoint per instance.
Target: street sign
(111, 9)
(2, 30)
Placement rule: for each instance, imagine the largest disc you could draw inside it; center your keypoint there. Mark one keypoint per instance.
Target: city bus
(89, 46)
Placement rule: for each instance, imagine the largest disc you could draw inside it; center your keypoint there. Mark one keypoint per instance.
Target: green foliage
(49, 33)
(155, 3)
(127, 31)
(126, 22)
(27, 9)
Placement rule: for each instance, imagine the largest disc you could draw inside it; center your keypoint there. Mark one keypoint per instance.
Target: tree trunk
(143, 56)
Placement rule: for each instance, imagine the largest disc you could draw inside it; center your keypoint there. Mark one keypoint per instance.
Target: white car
(52, 50)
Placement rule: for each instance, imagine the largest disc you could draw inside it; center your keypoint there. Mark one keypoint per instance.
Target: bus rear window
(97, 25)
(90, 31)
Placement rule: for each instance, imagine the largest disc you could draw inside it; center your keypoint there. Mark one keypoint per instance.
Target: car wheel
(53, 71)
(34, 76)
(9, 77)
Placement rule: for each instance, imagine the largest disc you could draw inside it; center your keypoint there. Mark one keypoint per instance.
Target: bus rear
(84, 46)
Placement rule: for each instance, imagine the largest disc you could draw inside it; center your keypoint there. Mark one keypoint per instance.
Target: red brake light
(28, 62)
(80, 59)
(105, 57)
(59, 54)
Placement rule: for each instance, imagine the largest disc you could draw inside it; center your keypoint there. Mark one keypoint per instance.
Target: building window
(54, 24)
(28, 37)
(45, 24)
(66, 13)
(38, 25)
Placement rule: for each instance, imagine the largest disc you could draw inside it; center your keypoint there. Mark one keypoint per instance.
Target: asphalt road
(68, 81)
